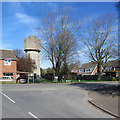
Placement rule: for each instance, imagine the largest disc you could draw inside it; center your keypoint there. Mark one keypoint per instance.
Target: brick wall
(95, 70)
(8, 68)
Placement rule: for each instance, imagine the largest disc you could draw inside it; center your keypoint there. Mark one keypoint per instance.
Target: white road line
(33, 115)
(8, 97)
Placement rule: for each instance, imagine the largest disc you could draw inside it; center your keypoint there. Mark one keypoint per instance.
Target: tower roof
(32, 44)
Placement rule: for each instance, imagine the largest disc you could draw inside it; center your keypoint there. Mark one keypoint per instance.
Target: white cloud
(24, 18)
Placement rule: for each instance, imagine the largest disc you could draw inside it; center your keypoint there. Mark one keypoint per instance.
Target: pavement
(105, 96)
(106, 103)
(47, 101)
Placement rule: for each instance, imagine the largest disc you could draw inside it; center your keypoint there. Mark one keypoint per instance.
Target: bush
(114, 79)
(95, 77)
(70, 76)
(87, 77)
(106, 78)
(74, 76)
(48, 76)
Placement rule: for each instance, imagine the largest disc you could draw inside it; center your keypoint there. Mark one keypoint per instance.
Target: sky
(19, 19)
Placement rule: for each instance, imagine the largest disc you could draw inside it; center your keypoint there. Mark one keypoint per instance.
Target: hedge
(69, 76)
(95, 77)
(74, 76)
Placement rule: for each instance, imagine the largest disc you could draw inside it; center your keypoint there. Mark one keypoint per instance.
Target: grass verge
(65, 81)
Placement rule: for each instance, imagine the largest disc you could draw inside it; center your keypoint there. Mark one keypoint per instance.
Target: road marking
(8, 97)
(33, 115)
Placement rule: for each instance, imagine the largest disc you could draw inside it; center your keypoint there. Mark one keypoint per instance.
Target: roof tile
(7, 54)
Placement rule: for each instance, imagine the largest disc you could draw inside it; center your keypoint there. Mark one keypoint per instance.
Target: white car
(6, 79)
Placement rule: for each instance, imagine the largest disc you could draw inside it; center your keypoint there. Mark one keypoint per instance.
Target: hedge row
(87, 77)
(70, 76)
(74, 76)
(48, 76)
(95, 77)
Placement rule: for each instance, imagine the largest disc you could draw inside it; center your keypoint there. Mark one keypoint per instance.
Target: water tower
(32, 47)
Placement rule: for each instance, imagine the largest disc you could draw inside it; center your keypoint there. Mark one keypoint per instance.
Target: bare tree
(70, 48)
(60, 36)
(19, 53)
(76, 64)
(24, 63)
(101, 40)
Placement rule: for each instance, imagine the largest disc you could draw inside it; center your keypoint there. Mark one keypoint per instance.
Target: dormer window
(88, 70)
(7, 62)
(108, 68)
(81, 70)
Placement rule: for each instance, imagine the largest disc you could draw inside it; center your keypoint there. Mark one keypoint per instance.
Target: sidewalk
(106, 103)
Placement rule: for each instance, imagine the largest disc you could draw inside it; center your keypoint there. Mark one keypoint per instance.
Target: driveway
(47, 101)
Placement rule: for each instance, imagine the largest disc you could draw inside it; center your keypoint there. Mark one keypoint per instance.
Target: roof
(88, 65)
(7, 54)
(113, 63)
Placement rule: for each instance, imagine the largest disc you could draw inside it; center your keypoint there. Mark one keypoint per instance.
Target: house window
(81, 70)
(7, 74)
(117, 69)
(87, 70)
(7, 62)
(108, 68)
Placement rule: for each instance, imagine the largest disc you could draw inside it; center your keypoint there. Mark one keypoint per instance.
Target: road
(47, 101)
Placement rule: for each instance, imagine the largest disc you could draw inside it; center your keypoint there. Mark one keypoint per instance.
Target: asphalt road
(47, 101)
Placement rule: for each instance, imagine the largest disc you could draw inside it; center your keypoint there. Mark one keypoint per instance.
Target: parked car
(6, 79)
(22, 80)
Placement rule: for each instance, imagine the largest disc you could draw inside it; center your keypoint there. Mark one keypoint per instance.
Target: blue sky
(19, 19)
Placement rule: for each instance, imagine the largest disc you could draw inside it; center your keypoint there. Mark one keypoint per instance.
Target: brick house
(8, 63)
(112, 67)
(88, 68)
(75, 69)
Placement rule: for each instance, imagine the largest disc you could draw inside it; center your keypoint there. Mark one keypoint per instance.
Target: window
(108, 68)
(7, 74)
(81, 70)
(7, 62)
(117, 68)
(88, 70)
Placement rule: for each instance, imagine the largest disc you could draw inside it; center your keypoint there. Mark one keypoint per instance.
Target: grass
(45, 81)
(72, 81)
(95, 81)
(7, 83)
(50, 81)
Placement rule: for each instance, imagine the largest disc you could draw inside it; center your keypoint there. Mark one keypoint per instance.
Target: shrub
(48, 76)
(94, 77)
(106, 78)
(87, 77)
(114, 79)
(70, 76)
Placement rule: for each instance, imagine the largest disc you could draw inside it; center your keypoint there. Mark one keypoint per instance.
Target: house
(75, 69)
(112, 67)
(88, 68)
(8, 64)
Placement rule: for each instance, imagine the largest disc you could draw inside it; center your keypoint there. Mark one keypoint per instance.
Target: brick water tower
(32, 47)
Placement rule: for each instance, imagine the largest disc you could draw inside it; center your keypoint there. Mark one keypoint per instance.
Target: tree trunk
(57, 72)
(53, 70)
(54, 75)
(99, 71)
